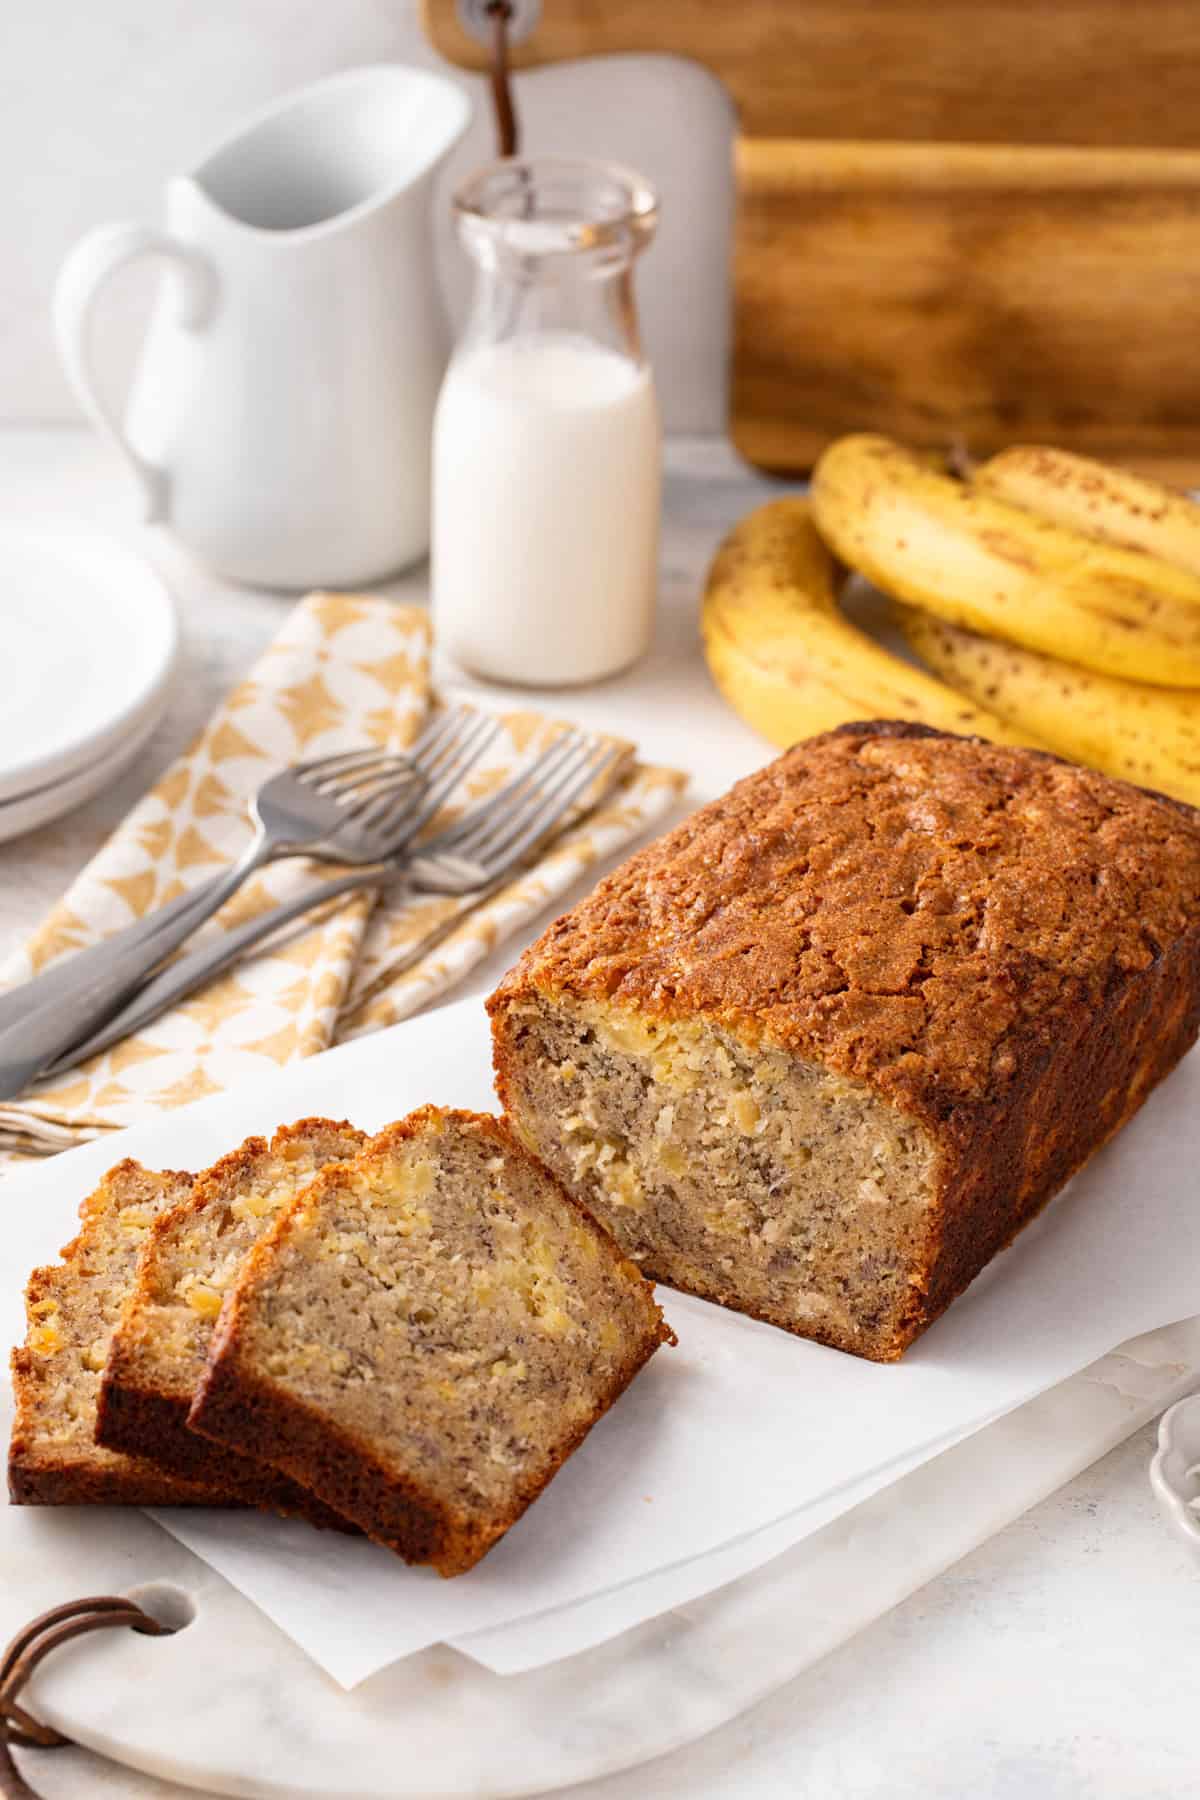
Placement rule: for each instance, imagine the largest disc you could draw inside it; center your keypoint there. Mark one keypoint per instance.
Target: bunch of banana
(1149, 735)
(1087, 496)
(789, 662)
(1057, 599)
(956, 549)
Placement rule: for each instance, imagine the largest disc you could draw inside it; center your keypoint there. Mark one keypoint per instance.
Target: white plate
(90, 638)
(30, 810)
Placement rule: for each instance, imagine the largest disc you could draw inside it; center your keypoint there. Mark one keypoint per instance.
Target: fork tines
(368, 781)
(409, 788)
(531, 804)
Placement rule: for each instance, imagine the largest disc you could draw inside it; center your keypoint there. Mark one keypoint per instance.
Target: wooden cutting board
(972, 221)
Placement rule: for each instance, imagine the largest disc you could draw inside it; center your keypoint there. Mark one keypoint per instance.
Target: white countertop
(1055, 1663)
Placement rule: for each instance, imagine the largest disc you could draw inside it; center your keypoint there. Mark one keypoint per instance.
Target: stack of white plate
(88, 646)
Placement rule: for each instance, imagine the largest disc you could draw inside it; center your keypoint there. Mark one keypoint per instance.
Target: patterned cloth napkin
(345, 670)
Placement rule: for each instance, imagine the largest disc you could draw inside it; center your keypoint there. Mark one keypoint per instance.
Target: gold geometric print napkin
(343, 671)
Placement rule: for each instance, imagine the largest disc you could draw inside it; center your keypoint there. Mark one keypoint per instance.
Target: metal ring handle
(61, 1625)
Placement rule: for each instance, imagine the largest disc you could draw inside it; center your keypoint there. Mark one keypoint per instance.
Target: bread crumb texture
(449, 1320)
(195, 1250)
(187, 1265)
(72, 1308)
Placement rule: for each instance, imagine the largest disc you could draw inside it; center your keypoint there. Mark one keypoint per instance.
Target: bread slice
(821, 1051)
(72, 1308)
(190, 1259)
(426, 1335)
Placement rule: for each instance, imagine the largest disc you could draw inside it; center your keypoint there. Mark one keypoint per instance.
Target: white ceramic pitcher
(279, 421)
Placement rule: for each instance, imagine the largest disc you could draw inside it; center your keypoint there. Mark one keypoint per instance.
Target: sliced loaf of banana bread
(822, 1050)
(72, 1307)
(425, 1335)
(188, 1263)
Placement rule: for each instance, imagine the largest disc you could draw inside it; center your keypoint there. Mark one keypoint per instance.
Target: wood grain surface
(1103, 72)
(944, 292)
(957, 219)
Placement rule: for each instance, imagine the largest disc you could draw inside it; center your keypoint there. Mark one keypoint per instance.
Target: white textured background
(101, 100)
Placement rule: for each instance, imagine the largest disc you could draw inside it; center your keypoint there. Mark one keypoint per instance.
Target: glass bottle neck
(567, 301)
(554, 240)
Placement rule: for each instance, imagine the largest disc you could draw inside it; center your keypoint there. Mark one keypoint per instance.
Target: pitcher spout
(330, 153)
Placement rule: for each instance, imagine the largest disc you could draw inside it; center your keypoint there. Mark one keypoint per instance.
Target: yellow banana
(1112, 504)
(956, 551)
(785, 657)
(1150, 735)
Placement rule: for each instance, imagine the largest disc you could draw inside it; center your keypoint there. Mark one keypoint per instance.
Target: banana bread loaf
(72, 1307)
(818, 1053)
(188, 1263)
(425, 1335)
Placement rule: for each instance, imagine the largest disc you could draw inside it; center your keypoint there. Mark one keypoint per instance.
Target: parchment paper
(740, 1428)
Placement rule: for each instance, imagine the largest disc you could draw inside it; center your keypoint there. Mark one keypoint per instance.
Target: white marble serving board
(229, 1704)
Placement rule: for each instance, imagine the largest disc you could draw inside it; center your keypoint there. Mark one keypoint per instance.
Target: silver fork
(438, 753)
(475, 856)
(359, 807)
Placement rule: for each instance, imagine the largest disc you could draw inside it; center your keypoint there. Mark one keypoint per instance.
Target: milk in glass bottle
(547, 444)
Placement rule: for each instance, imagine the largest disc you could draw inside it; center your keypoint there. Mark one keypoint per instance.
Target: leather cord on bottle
(508, 131)
(37, 1640)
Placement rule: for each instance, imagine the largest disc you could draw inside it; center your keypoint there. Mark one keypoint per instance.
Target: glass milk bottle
(547, 444)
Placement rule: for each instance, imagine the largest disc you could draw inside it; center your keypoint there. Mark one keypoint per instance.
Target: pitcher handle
(191, 290)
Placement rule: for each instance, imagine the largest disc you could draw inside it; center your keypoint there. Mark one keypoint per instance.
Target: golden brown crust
(1002, 945)
(147, 1389)
(907, 907)
(1001, 1170)
(237, 1404)
(39, 1478)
